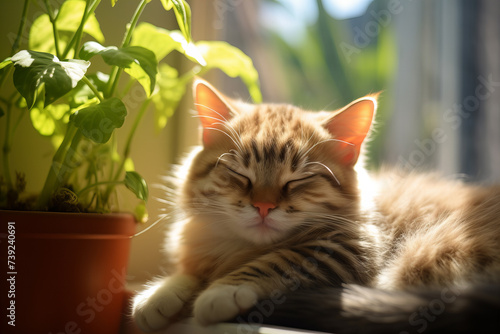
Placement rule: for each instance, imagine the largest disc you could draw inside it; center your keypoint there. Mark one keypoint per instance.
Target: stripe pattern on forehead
(275, 134)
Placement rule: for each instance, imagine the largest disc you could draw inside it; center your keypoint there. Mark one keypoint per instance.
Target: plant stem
(89, 187)
(18, 121)
(52, 181)
(77, 36)
(15, 45)
(54, 27)
(69, 163)
(20, 31)
(93, 88)
(113, 79)
(9, 134)
(114, 152)
(5, 74)
(4, 101)
(116, 71)
(133, 23)
(128, 145)
(7, 148)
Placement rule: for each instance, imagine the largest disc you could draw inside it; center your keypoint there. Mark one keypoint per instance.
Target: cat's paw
(154, 308)
(223, 302)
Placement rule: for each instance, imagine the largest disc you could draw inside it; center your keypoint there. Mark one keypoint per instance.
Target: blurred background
(435, 62)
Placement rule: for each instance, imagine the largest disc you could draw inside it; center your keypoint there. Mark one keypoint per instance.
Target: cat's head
(264, 170)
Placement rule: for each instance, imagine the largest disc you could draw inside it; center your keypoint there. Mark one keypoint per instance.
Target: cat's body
(276, 202)
(438, 232)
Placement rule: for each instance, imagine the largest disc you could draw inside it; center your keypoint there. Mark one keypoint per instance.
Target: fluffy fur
(277, 207)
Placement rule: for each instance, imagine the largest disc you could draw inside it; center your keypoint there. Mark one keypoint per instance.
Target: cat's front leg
(314, 264)
(155, 307)
(222, 302)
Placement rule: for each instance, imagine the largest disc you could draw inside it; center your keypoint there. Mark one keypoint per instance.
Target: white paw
(154, 307)
(223, 302)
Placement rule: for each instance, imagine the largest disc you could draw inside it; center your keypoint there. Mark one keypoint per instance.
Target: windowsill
(189, 326)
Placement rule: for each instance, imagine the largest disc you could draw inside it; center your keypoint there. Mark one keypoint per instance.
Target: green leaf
(68, 19)
(5, 63)
(182, 14)
(140, 63)
(187, 48)
(233, 62)
(34, 69)
(98, 122)
(41, 36)
(70, 16)
(162, 42)
(90, 49)
(153, 38)
(42, 122)
(46, 120)
(50, 121)
(137, 185)
(168, 96)
(2, 113)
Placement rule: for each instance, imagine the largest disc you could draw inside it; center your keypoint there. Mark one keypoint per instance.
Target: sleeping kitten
(277, 206)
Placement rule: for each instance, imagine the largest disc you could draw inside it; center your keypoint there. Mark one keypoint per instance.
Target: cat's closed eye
(246, 182)
(293, 184)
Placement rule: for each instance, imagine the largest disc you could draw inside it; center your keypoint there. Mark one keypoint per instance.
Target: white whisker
(164, 201)
(223, 121)
(161, 187)
(325, 141)
(222, 155)
(326, 167)
(218, 113)
(160, 218)
(236, 153)
(304, 145)
(236, 139)
(224, 132)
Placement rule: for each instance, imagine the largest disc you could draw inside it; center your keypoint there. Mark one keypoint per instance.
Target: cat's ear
(350, 126)
(213, 110)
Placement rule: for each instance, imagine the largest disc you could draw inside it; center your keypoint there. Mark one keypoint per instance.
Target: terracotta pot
(67, 273)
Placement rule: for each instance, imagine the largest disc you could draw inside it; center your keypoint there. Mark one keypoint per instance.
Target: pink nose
(264, 208)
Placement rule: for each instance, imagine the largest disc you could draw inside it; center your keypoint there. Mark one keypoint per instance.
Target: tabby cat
(281, 224)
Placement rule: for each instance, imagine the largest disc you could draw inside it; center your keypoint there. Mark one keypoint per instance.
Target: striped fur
(328, 223)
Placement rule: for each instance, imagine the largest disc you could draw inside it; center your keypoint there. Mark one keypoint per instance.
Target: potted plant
(66, 271)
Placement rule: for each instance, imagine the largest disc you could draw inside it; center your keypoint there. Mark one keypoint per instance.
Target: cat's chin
(263, 231)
